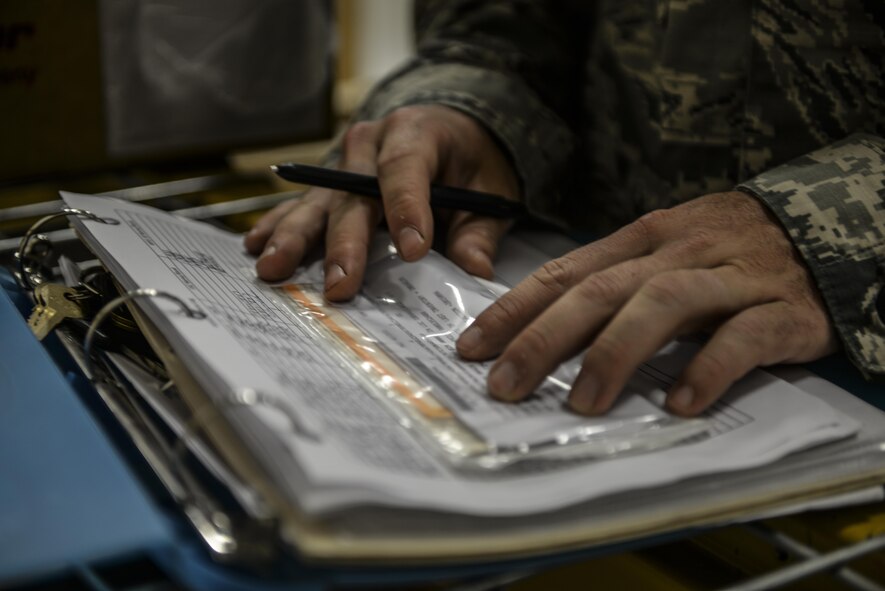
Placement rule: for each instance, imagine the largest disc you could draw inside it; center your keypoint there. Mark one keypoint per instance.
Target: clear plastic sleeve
(397, 338)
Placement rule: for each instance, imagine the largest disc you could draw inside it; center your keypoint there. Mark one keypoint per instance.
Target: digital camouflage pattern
(832, 202)
(613, 108)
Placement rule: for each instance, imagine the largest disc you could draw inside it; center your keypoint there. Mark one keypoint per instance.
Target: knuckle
(606, 353)
(708, 366)
(270, 219)
(605, 288)
(315, 197)
(653, 224)
(407, 116)
(481, 234)
(669, 289)
(352, 206)
(310, 223)
(700, 240)
(346, 246)
(290, 243)
(749, 265)
(393, 154)
(484, 231)
(556, 276)
(507, 311)
(359, 133)
(281, 209)
(750, 328)
(534, 342)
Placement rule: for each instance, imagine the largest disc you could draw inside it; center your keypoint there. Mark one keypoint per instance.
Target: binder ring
(252, 397)
(242, 397)
(196, 424)
(112, 305)
(26, 277)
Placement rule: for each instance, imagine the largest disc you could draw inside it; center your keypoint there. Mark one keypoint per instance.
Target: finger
(278, 234)
(352, 218)
(351, 225)
(473, 242)
(359, 148)
(293, 237)
(759, 336)
(256, 239)
(666, 306)
(408, 160)
(504, 319)
(567, 326)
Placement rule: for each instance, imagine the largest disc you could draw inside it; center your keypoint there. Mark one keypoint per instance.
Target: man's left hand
(720, 263)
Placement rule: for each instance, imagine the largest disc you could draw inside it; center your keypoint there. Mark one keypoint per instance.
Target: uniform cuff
(832, 204)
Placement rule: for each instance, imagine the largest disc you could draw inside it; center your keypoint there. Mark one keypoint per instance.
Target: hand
(407, 150)
(720, 262)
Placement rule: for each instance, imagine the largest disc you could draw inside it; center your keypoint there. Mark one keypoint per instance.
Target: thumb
(473, 242)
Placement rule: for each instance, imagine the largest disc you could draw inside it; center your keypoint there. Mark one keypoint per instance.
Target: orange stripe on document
(423, 406)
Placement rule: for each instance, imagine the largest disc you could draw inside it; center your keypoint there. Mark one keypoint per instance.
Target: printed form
(330, 444)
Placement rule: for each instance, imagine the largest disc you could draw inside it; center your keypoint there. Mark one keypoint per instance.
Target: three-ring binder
(228, 537)
(27, 278)
(206, 421)
(210, 522)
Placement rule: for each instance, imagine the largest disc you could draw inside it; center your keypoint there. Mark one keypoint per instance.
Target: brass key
(54, 303)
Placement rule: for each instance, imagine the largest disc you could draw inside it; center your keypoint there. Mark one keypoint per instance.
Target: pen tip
(274, 167)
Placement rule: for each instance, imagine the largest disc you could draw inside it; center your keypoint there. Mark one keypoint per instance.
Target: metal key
(54, 303)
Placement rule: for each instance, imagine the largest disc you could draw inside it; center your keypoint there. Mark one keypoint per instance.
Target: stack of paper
(305, 413)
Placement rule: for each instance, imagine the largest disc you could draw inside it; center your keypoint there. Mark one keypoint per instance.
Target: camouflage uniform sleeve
(509, 64)
(832, 203)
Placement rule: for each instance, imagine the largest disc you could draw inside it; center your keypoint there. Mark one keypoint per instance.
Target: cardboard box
(95, 84)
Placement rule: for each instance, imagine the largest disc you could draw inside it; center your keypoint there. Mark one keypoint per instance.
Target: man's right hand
(408, 149)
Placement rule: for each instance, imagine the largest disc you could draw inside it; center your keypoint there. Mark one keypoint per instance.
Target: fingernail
(269, 251)
(584, 392)
(470, 339)
(410, 242)
(334, 274)
(253, 231)
(682, 397)
(502, 380)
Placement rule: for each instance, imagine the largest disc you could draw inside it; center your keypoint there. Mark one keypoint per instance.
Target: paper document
(306, 415)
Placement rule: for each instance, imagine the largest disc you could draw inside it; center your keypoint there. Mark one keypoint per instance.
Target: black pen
(361, 184)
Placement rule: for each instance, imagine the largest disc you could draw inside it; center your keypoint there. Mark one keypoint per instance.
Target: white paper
(330, 445)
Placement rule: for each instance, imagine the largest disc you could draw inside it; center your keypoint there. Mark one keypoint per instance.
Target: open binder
(244, 515)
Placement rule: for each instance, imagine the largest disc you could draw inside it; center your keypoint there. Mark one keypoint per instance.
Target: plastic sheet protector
(367, 402)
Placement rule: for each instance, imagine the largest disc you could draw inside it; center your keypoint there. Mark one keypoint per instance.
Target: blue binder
(68, 498)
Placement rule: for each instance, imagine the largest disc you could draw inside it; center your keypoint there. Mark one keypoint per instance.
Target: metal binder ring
(108, 308)
(254, 398)
(25, 275)
(196, 423)
(239, 398)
